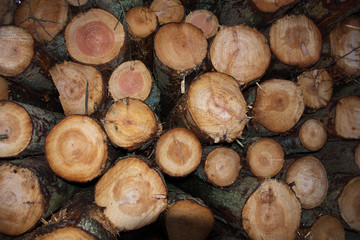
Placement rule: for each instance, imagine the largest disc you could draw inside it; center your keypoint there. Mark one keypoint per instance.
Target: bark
(42, 194)
(118, 8)
(26, 127)
(7, 9)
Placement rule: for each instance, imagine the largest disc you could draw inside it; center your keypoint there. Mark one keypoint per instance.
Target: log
(118, 8)
(327, 227)
(29, 192)
(168, 11)
(271, 6)
(7, 9)
(81, 88)
(77, 149)
(24, 128)
(347, 121)
(131, 124)
(179, 50)
(4, 89)
(213, 108)
(302, 44)
(178, 152)
(205, 20)
(241, 52)
(78, 3)
(132, 193)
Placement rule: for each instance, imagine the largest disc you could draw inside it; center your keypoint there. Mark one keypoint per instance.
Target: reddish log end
(205, 20)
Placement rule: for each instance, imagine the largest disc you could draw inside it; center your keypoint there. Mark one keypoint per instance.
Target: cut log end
(16, 51)
(222, 166)
(21, 199)
(142, 21)
(178, 152)
(349, 202)
(272, 212)
(17, 127)
(317, 88)
(186, 219)
(279, 105)
(347, 118)
(217, 106)
(77, 3)
(205, 20)
(265, 157)
(313, 135)
(130, 122)
(327, 227)
(168, 11)
(132, 194)
(4, 89)
(270, 6)
(309, 179)
(180, 46)
(94, 37)
(241, 52)
(66, 233)
(131, 79)
(76, 149)
(296, 40)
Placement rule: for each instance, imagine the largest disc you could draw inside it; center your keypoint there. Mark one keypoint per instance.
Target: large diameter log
(44, 19)
(271, 5)
(131, 193)
(95, 37)
(347, 120)
(279, 105)
(24, 128)
(168, 11)
(241, 52)
(205, 20)
(179, 50)
(272, 212)
(29, 191)
(327, 227)
(296, 40)
(178, 152)
(131, 124)
(76, 149)
(213, 108)
(345, 45)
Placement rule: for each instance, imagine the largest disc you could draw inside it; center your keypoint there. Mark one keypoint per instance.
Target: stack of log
(171, 119)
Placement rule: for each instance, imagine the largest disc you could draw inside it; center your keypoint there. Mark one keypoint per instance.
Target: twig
(86, 97)
(3, 136)
(260, 88)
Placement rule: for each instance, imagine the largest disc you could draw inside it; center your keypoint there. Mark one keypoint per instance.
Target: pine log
(76, 149)
(213, 108)
(271, 5)
(81, 88)
(44, 19)
(178, 152)
(327, 227)
(133, 79)
(347, 121)
(78, 3)
(168, 11)
(7, 9)
(24, 128)
(79, 218)
(132, 193)
(205, 20)
(179, 50)
(131, 124)
(57, 48)
(345, 45)
(186, 217)
(296, 40)
(118, 8)
(241, 52)
(29, 192)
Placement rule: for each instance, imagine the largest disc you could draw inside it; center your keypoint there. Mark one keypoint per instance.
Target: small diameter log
(347, 120)
(44, 19)
(168, 11)
(271, 6)
(178, 152)
(221, 165)
(205, 20)
(308, 179)
(7, 9)
(29, 192)
(77, 3)
(24, 128)
(76, 149)
(79, 218)
(179, 50)
(187, 217)
(131, 193)
(95, 37)
(213, 108)
(357, 155)
(349, 201)
(279, 105)
(345, 45)
(295, 40)
(317, 88)
(327, 227)
(133, 79)
(272, 212)
(131, 124)
(81, 88)
(241, 52)
(265, 157)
